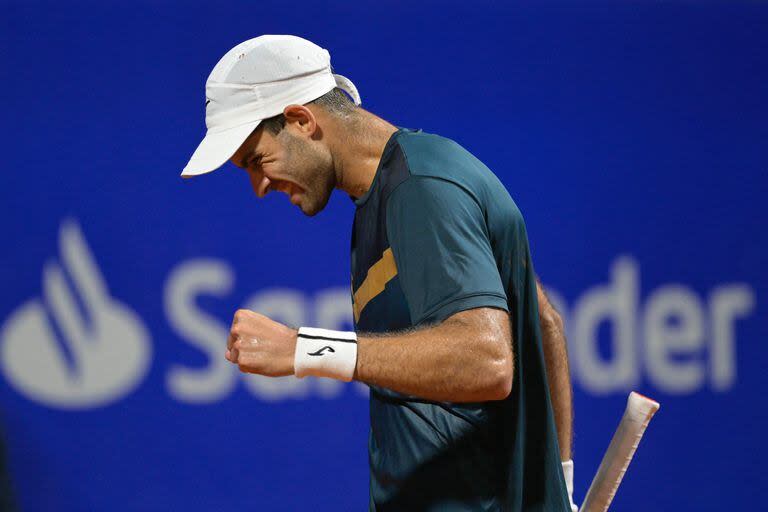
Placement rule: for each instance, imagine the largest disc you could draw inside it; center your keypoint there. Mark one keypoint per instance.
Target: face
(289, 162)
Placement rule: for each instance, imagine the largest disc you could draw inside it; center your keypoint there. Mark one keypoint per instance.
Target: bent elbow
(500, 385)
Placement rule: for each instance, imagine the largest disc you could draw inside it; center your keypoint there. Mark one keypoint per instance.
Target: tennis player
(448, 330)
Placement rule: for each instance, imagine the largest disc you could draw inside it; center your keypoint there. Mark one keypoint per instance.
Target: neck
(359, 144)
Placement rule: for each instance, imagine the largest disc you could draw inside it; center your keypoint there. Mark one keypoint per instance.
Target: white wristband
(568, 474)
(325, 353)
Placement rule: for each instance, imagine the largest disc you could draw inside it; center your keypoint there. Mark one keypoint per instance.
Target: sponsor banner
(77, 347)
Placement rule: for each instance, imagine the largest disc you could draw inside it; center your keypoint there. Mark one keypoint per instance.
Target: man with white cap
(448, 334)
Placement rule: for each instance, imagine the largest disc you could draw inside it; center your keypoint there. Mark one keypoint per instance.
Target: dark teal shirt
(437, 233)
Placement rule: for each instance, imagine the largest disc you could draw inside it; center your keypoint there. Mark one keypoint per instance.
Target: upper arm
(442, 250)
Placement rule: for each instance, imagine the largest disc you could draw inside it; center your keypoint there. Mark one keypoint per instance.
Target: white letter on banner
(186, 282)
(725, 304)
(674, 326)
(615, 303)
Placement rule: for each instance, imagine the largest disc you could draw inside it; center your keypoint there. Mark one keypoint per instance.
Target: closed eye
(246, 162)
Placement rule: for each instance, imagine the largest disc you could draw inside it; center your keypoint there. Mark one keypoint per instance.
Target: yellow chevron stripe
(378, 276)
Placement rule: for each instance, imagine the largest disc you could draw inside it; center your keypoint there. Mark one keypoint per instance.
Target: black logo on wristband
(320, 352)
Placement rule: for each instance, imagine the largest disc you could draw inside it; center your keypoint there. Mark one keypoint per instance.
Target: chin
(313, 207)
(310, 212)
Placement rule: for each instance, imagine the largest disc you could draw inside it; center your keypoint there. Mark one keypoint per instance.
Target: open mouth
(292, 191)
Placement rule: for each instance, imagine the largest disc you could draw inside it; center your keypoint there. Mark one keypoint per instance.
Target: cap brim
(216, 148)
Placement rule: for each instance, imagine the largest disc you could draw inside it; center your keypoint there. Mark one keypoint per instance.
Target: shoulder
(421, 161)
(431, 155)
(428, 158)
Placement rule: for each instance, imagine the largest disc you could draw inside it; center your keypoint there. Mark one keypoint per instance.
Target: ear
(301, 119)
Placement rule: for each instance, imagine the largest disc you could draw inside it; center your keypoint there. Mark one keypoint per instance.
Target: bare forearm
(467, 358)
(558, 373)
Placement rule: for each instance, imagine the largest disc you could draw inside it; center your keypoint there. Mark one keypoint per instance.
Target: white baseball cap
(254, 81)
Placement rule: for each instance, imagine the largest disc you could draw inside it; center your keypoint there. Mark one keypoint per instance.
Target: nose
(260, 183)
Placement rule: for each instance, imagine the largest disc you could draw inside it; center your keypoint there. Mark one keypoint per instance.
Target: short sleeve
(440, 242)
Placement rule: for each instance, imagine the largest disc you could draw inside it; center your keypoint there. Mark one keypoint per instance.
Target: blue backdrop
(632, 135)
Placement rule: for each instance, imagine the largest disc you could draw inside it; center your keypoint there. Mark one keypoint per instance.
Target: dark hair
(335, 101)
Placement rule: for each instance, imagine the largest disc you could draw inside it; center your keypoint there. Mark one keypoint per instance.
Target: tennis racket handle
(619, 454)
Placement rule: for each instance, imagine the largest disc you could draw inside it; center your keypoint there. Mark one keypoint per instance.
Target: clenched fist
(260, 345)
